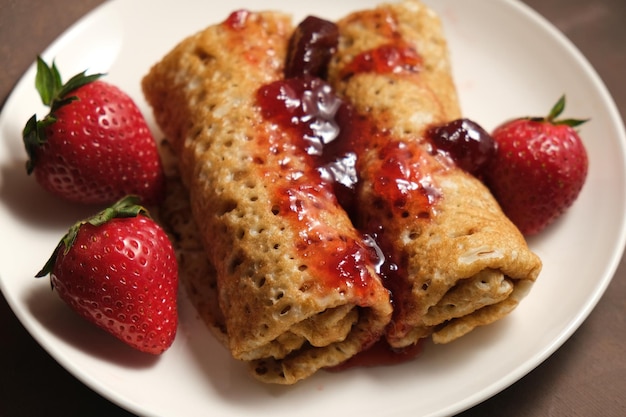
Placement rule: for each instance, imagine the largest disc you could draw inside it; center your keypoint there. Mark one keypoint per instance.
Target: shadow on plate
(227, 377)
(31, 204)
(53, 314)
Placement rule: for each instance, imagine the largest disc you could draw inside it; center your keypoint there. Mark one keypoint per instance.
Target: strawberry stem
(126, 207)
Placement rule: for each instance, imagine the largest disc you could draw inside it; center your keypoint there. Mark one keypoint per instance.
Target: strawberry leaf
(34, 136)
(54, 94)
(47, 81)
(125, 207)
(32, 141)
(556, 110)
(76, 82)
(52, 90)
(571, 122)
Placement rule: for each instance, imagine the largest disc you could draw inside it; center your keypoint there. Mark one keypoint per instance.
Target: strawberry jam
(311, 47)
(343, 152)
(467, 143)
(397, 57)
(401, 173)
(305, 109)
(237, 19)
(343, 260)
(393, 56)
(307, 105)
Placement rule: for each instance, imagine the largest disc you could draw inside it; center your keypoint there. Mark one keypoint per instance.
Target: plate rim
(486, 392)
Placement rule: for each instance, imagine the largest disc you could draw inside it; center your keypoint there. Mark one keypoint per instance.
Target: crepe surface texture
(270, 259)
(458, 262)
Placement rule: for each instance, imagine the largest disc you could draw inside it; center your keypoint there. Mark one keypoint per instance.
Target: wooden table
(585, 377)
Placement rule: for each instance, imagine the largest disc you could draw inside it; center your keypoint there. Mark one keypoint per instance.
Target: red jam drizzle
(304, 108)
(333, 140)
(392, 58)
(392, 270)
(395, 56)
(338, 162)
(342, 259)
(243, 26)
(307, 105)
(237, 19)
(469, 145)
(402, 174)
(311, 46)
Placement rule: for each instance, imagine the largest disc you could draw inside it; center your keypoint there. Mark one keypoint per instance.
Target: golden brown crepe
(456, 261)
(273, 264)
(293, 280)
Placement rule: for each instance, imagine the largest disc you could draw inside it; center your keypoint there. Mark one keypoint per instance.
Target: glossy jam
(393, 55)
(342, 149)
(397, 58)
(342, 259)
(304, 108)
(402, 175)
(305, 105)
(399, 172)
(339, 161)
(237, 19)
(308, 108)
(311, 47)
(467, 143)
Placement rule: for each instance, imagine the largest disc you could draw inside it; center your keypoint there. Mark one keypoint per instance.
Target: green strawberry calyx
(54, 94)
(555, 112)
(125, 207)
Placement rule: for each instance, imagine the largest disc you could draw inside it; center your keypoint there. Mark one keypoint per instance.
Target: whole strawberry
(94, 147)
(118, 270)
(539, 168)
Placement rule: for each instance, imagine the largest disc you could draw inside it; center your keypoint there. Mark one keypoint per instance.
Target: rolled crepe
(454, 259)
(294, 281)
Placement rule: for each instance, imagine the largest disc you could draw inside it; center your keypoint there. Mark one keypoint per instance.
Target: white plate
(508, 62)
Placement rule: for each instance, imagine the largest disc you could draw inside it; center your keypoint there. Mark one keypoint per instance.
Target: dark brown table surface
(585, 377)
